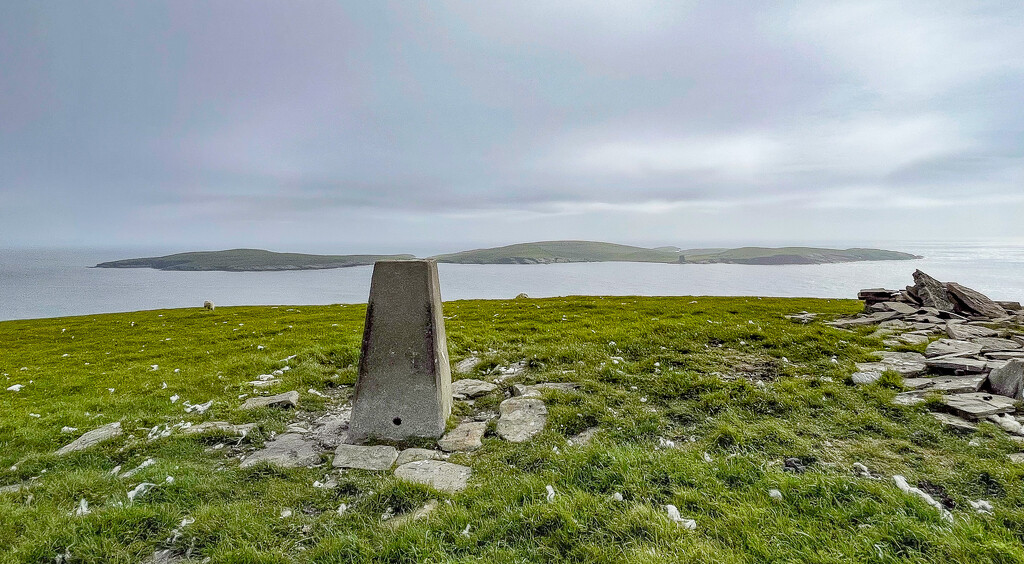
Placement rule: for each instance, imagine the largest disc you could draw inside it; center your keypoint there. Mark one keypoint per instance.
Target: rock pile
(974, 354)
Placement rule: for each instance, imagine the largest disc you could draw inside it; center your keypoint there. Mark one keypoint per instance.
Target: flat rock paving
(979, 404)
(521, 418)
(464, 438)
(290, 450)
(442, 476)
(365, 457)
(283, 401)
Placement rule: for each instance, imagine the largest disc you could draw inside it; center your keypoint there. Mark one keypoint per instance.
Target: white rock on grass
(145, 464)
(92, 438)
(673, 514)
(15, 388)
(83, 508)
(551, 493)
(775, 494)
(442, 476)
(139, 490)
(290, 450)
(904, 487)
(365, 457)
(464, 438)
(284, 401)
(981, 506)
(521, 419)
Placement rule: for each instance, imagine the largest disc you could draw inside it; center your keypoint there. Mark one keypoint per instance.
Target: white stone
(92, 438)
(442, 476)
(365, 457)
(521, 419)
(463, 438)
(290, 450)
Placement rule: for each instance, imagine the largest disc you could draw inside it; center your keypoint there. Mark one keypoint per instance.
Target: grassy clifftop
(247, 260)
(560, 251)
(696, 402)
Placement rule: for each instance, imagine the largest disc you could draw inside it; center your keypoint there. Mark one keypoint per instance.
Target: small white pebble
(111, 390)
(465, 532)
(674, 515)
(342, 508)
(36, 415)
(15, 388)
(83, 508)
(66, 429)
(981, 506)
(175, 398)
(616, 496)
(707, 458)
(154, 366)
(775, 494)
(286, 513)
(551, 493)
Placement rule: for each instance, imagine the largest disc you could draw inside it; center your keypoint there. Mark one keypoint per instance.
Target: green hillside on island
(545, 252)
(240, 260)
(542, 252)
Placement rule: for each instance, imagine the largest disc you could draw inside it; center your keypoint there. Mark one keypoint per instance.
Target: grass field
(733, 384)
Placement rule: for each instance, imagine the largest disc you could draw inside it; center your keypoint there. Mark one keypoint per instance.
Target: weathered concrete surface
(284, 401)
(405, 384)
(442, 476)
(521, 419)
(1009, 380)
(287, 451)
(92, 438)
(365, 457)
(464, 438)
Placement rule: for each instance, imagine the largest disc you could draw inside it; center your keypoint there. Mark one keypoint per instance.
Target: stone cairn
(974, 354)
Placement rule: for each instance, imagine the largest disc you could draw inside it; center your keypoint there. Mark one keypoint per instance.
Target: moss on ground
(728, 380)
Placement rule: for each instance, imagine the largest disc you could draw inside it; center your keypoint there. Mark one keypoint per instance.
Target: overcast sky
(387, 125)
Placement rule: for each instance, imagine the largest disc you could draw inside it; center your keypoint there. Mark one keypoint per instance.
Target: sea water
(59, 282)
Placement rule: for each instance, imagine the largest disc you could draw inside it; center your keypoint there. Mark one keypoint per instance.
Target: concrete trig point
(405, 383)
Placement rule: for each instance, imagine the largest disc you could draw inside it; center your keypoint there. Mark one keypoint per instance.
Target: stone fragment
(264, 383)
(1005, 355)
(906, 363)
(900, 308)
(978, 404)
(944, 347)
(1009, 380)
(1009, 306)
(331, 430)
(862, 377)
(414, 454)
(584, 437)
(1017, 457)
(521, 418)
(852, 322)
(442, 476)
(909, 399)
(973, 301)
(470, 388)
(994, 344)
(413, 516)
(404, 388)
(917, 383)
(365, 457)
(965, 332)
(463, 438)
(957, 364)
(535, 390)
(955, 422)
(956, 384)
(219, 427)
(913, 339)
(931, 292)
(1007, 422)
(290, 450)
(92, 438)
(284, 401)
(466, 365)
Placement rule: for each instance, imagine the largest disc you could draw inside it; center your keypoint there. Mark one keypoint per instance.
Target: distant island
(248, 260)
(543, 252)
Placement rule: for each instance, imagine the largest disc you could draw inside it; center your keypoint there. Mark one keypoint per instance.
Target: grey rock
(290, 450)
(909, 398)
(866, 376)
(536, 390)
(584, 437)
(1017, 457)
(442, 476)
(92, 438)
(899, 307)
(463, 438)
(994, 344)
(913, 339)
(955, 422)
(404, 389)
(365, 457)
(413, 516)
(466, 365)
(471, 388)
(283, 401)
(331, 430)
(965, 332)
(1005, 355)
(415, 454)
(917, 383)
(521, 418)
(973, 301)
(956, 384)
(979, 404)
(219, 427)
(931, 292)
(957, 364)
(852, 322)
(906, 363)
(1009, 380)
(944, 347)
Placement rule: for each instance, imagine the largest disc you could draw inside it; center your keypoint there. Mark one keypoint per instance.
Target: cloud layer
(337, 124)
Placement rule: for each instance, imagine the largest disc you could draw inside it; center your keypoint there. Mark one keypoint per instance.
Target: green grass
(729, 377)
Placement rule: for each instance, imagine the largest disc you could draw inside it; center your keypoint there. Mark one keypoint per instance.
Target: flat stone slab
(1005, 355)
(912, 339)
(442, 476)
(284, 401)
(975, 301)
(219, 427)
(464, 438)
(521, 418)
(365, 457)
(993, 344)
(909, 399)
(471, 388)
(92, 438)
(415, 454)
(964, 332)
(906, 363)
(332, 430)
(979, 404)
(290, 450)
(957, 364)
(466, 365)
(944, 347)
(1009, 380)
(900, 307)
(1017, 457)
(866, 375)
(956, 384)
(955, 422)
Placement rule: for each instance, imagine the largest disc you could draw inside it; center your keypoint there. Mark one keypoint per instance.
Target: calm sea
(52, 283)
